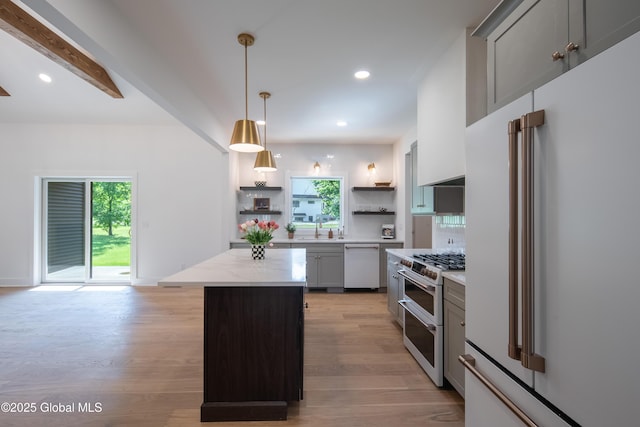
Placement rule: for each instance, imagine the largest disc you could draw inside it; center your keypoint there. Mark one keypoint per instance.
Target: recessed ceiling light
(362, 74)
(45, 77)
(341, 123)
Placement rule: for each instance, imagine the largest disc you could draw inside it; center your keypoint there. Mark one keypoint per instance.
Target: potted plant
(291, 229)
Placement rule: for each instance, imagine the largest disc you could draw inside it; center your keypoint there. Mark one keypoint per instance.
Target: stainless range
(422, 303)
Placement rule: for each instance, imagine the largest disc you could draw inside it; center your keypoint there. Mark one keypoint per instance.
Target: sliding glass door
(86, 230)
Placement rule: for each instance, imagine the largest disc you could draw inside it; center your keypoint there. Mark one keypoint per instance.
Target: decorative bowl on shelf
(382, 183)
(260, 183)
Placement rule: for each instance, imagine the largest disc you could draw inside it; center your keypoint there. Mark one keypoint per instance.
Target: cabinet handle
(462, 323)
(420, 206)
(571, 47)
(470, 363)
(557, 55)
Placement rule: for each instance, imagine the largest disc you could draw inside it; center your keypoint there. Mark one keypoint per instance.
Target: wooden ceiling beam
(3, 92)
(29, 30)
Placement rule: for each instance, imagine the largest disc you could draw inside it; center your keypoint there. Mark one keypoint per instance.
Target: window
(317, 201)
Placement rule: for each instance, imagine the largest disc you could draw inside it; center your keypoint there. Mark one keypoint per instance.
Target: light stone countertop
(409, 252)
(235, 267)
(325, 239)
(456, 276)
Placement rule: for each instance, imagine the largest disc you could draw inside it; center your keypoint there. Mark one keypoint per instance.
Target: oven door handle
(427, 288)
(429, 326)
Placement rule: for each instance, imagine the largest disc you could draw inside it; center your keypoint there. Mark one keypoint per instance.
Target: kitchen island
(253, 332)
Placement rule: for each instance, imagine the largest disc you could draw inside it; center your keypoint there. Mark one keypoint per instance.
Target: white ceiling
(184, 55)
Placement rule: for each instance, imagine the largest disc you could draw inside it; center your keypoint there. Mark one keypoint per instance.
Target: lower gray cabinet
(394, 290)
(325, 265)
(384, 280)
(454, 333)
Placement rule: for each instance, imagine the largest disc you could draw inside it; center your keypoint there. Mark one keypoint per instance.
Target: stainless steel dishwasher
(361, 265)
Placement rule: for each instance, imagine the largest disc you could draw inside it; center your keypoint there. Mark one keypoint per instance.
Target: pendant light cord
(264, 99)
(246, 85)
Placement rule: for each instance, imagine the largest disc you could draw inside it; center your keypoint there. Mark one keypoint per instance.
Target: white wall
(179, 183)
(349, 161)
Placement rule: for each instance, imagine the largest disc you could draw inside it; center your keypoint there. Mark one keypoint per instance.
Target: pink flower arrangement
(258, 232)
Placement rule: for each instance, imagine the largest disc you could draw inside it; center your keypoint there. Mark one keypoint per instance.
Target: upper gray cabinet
(542, 39)
(605, 24)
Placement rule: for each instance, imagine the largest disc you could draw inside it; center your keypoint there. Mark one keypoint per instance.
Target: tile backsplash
(448, 232)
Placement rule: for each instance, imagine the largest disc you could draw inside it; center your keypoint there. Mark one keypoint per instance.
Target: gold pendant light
(245, 137)
(264, 159)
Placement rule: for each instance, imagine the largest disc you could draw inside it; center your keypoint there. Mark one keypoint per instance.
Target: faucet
(317, 234)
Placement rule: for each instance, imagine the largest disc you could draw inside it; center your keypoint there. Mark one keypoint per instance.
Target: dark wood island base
(253, 352)
(243, 411)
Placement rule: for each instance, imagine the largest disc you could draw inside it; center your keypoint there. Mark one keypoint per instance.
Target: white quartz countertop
(409, 252)
(325, 239)
(456, 276)
(235, 267)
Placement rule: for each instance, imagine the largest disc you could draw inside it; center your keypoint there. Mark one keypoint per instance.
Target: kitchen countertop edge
(456, 276)
(325, 240)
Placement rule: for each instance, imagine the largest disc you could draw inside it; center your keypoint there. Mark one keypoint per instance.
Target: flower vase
(257, 251)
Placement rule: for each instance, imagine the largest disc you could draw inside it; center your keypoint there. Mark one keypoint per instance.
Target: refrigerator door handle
(513, 349)
(529, 359)
(470, 364)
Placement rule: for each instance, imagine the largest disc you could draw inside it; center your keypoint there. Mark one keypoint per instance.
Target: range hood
(456, 182)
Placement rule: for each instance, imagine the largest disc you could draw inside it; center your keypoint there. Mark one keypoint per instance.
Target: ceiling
(179, 60)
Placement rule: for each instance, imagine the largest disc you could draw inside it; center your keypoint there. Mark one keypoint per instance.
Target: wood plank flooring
(134, 357)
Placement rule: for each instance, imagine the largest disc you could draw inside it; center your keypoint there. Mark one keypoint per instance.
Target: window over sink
(316, 200)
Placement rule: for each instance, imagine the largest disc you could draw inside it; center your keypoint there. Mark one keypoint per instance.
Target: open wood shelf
(373, 213)
(260, 212)
(254, 188)
(374, 188)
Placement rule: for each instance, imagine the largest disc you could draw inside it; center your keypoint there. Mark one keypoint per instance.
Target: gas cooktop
(444, 261)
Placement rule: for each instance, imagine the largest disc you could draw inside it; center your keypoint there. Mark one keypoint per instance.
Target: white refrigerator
(580, 319)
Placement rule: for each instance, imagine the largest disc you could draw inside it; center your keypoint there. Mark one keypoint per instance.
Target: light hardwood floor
(138, 354)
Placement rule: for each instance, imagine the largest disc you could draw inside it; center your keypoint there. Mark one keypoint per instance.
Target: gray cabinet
(393, 287)
(542, 39)
(384, 281)
(325, 265)
(454, 333)
(605, 24)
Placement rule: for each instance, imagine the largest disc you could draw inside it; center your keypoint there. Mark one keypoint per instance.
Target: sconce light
(316, 167)
(372, 167)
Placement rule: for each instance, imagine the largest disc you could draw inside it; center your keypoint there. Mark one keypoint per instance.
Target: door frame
(40, 224)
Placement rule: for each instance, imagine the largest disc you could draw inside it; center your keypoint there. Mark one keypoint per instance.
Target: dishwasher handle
(356, 246)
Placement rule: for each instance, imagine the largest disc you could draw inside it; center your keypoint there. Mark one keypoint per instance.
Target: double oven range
(422, 303)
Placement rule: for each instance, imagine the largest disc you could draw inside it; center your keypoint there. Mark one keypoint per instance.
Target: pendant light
(264, 159)
(245, 137)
